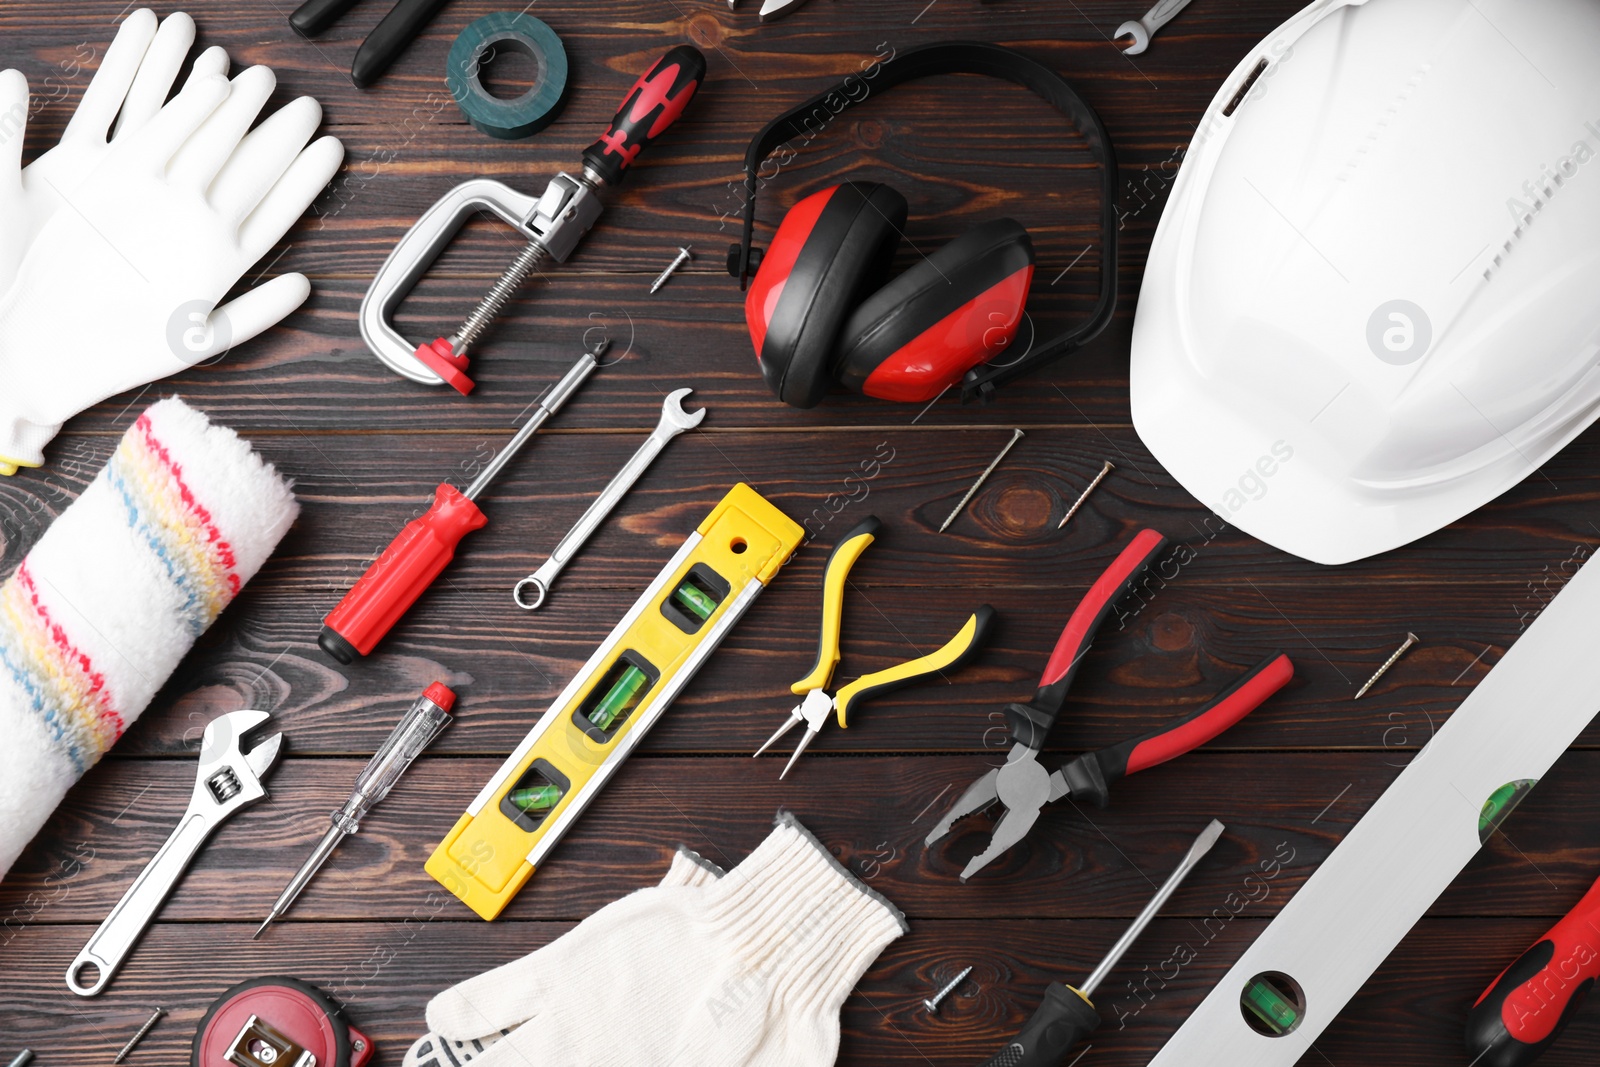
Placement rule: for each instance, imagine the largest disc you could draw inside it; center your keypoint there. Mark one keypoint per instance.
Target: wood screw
(1098, 478)
(1411, 639)
(155, 1016)
(932, 1003)
(661, 279)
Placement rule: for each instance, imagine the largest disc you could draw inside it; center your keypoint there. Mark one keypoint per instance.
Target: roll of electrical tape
(520, 116)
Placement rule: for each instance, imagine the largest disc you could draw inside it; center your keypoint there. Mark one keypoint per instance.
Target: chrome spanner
(674, 420)
(229, 779)
(1143, 29)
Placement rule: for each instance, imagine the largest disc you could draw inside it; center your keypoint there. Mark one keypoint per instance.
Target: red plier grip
(1129, 566)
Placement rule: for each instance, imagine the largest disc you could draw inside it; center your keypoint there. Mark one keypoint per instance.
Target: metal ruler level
(1353, 911)
(609, 706)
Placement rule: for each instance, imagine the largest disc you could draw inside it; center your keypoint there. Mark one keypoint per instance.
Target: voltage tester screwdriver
(415, 731)
(422, 549)
(1067, 1015)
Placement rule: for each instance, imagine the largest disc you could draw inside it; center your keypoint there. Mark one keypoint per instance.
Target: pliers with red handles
(1024, 787)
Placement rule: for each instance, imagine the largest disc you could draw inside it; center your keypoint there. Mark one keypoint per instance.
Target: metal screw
(932, 1003)
(1016, 435)
(155, 1016)
(1411, 639)
(661, 279)
(24, 1058)
(1073, 510)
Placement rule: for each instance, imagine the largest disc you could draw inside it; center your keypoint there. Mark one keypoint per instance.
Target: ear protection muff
(819, 308)
(831, 251)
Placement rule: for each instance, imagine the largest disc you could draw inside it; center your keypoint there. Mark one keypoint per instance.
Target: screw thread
(499, 295)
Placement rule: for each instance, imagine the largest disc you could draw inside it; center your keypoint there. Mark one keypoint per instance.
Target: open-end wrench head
(1140, 35)
(674, 417)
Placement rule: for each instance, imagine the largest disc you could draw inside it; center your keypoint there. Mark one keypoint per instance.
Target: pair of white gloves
(117, 244)
(744, 969)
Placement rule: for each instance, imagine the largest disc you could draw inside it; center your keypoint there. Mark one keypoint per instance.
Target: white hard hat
(1373, 301)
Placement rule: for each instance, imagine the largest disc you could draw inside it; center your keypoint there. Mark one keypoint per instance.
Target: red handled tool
(553, 223)
(1523, 1012)
(423, 548)
(1024, 787)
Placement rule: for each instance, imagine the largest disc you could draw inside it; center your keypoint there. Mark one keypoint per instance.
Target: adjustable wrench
(229, 779)
(674, 420)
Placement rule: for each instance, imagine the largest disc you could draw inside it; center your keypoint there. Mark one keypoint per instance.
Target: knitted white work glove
(134, 79)
(461, 1047)
(749, 972)
(121, 288)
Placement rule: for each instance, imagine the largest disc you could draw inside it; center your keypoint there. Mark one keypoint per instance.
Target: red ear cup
(949, 312)
(831, 250)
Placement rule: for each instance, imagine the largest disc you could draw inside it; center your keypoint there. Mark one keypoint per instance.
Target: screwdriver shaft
(1197, 851)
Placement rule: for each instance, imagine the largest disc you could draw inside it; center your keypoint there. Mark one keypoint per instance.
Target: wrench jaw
(229, 777)
(1141, 37)
(673, 415)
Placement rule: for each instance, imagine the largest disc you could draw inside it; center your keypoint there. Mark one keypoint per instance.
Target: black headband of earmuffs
(959, 57)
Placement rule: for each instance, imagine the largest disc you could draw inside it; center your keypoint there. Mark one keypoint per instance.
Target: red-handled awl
(422, 549)
(1523, 1012)
(1023, 786)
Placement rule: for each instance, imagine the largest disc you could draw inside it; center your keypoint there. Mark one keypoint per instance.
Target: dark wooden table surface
(365, 448)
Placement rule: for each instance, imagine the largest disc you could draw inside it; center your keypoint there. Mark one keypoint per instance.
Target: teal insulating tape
(521, 116)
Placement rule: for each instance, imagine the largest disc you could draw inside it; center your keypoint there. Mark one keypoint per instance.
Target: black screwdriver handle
(651, 106)
(390, 37)
(314, 16)
(1063, 1021)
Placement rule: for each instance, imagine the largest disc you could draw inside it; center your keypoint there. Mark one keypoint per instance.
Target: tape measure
(604, 712)
(519, 116)
(277, 1022)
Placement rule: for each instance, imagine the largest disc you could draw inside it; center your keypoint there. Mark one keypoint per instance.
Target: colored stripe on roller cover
(179, 531)
(60, 682)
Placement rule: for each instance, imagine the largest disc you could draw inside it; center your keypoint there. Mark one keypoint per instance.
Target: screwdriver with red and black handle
(422, 549)
(1525, 1009)
(1068, 1016)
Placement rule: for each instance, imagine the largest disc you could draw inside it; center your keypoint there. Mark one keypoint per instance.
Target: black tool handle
(1062, 1022)
(390, 37)
(314, 16)
(651, 106)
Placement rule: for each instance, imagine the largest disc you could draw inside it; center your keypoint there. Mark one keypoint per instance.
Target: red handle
(398, 577)
(653, 104)
(1522, 1013)
(1198, 727)
(1097, 602)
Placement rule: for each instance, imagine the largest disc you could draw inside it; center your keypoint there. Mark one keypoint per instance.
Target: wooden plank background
(365, 448)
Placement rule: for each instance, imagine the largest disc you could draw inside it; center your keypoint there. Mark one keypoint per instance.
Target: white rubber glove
(434, 1049)
(134, 79)
(748, 972)
(121, 288)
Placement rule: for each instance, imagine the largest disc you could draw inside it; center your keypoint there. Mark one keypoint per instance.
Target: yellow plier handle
(955, 652)
(834, 573)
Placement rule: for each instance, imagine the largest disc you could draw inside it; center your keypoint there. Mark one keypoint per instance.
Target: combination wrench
(674, 420)
(229, 779)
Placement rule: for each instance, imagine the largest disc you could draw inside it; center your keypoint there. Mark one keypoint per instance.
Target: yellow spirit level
(606, 710)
